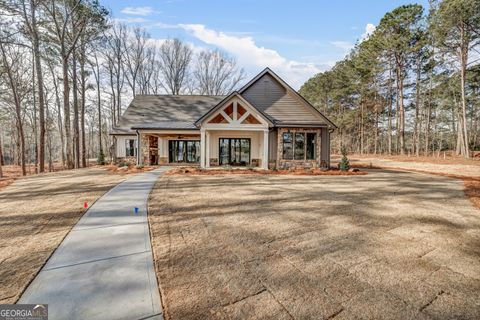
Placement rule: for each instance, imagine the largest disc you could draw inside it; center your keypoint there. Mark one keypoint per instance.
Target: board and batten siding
(120, 147)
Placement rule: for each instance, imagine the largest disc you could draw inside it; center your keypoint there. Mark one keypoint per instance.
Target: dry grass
(297, 172)
(14, 172)
(472, 184)
(36, 213)
(389, 245)
(444, 158)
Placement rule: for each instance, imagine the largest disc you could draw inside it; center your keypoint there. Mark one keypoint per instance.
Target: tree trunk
(390, 103)
(59, 116)
(401, 116)
(66, 112)
(463, 52)
(416, 130)
(99, 104)
(76, 124)
(41, 94)
(82, 111)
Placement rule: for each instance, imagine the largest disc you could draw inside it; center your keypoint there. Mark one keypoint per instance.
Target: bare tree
(135, 56)
(66, 36)
(113, 56)
(175, 57)
(16, 70)
(216, 73)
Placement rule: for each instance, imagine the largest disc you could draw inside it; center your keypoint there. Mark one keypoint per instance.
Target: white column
(207, 151)
(265, 150)
(202, 148)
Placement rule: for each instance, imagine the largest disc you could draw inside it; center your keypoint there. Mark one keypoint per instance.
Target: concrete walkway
(104, 267)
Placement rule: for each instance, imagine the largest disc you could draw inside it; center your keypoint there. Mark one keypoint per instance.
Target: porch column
(265, 150)
(202, 148)
(207, 149)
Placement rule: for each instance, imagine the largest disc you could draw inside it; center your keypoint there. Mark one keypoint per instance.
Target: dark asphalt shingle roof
(164, 112)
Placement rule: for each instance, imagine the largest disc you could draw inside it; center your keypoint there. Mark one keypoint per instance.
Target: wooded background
(68, 70)
(410, 87)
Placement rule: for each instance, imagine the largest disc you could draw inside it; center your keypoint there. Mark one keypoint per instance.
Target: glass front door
(234, 151)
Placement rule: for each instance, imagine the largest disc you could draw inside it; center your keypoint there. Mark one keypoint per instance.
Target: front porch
(206, 148)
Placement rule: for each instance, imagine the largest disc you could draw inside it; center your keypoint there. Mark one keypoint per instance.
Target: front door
(234, 151)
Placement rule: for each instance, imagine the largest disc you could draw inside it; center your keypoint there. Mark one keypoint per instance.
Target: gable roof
(286, 107)
(227, 98)
(281, 107)
(164, 112)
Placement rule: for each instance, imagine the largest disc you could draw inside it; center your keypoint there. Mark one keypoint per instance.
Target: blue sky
(295, 38)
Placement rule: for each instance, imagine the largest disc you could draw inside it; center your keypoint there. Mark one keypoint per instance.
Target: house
(265, 124)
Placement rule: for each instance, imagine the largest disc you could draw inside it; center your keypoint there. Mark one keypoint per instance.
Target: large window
(184, 151)
(130, 148)
(299, 145)
(234, 151)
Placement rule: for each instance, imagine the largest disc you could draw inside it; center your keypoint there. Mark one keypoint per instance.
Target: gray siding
(272, 98)
(272, 145)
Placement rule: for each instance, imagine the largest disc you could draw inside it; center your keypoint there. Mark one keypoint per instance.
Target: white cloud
(254, 58)
(133, 20)
(138, 11)
(369, 28)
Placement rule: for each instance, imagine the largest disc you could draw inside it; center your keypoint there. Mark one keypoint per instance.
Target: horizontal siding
(120, 150)
(272, 98)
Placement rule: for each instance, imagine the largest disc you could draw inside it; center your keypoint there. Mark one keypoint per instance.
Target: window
(299, 145)
(184, 151)
(130, 148)
(287, 146)
(234, 151)
(311, 145)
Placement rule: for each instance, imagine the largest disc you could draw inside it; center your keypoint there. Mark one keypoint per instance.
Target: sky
(295, 38)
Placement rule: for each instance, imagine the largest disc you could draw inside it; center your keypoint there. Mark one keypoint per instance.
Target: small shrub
(140, 166)
(123, 163)
(101, 158)
(344, 164)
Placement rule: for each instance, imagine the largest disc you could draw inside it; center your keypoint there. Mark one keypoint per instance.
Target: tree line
(68, 70)
(410, 87)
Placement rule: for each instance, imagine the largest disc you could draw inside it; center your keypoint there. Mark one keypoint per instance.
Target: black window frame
(241, 163)
(186, 154)
(291, 146)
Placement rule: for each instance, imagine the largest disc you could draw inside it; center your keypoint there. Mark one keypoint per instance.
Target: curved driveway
(104, 267)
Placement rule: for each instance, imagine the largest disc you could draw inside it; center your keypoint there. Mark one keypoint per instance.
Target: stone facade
(144, 152)
(298, 164)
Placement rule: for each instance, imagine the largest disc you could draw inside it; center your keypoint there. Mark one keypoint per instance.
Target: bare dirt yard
(387, 245)
(36, 213)
(451, 165)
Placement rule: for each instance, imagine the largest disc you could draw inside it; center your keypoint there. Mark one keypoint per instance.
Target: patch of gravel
(388, 245)
(36, 213)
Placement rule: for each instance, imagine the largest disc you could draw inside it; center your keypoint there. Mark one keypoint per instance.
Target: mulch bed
(299, 172)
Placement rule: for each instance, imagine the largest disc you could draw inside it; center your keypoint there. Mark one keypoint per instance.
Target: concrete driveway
(104, 268)
(388, 245)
